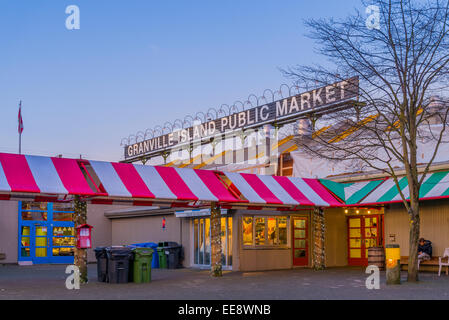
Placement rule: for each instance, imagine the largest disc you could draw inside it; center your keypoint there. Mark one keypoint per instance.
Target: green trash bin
(162, 257)
(142, 265)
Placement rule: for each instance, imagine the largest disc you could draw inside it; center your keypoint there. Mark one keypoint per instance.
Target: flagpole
(20, 131)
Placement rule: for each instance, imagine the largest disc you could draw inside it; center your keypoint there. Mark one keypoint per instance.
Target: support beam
(215, 220)
(80, 218)
(319, 232)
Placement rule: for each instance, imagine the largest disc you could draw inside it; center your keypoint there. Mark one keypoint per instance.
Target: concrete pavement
(48, 282)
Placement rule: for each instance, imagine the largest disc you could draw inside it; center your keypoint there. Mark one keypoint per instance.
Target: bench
(434, 262)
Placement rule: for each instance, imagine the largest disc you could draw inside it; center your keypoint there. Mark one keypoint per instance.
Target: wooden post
(215, 220)
(319, 232)
(80, 218)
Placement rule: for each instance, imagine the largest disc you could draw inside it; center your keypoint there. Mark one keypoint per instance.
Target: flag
(20, 128)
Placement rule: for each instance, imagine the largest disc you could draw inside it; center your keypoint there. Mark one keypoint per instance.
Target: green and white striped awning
(435, 186)
(351, 193)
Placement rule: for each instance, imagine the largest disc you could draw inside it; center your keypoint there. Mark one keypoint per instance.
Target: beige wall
(9, 221)
(186, 241)
(336, 239)
(149, 229)
(101, 233)
(146, 229)
(434, 225)
(265, 259)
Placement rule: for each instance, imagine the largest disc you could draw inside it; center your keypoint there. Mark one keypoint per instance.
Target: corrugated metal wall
(434, 225)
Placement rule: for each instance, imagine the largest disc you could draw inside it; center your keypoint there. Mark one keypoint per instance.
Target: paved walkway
(48, 282)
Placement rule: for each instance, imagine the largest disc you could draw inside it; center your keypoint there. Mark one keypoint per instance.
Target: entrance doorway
(202, 242)
(300, 243)
(363, 232)
(47, 233)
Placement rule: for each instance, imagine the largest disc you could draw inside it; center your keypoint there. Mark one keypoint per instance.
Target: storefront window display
(265, 231)
(47, 233)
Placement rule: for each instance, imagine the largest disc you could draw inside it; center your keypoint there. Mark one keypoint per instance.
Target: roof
(384, 191)
(56, 179)
(435, 186)
(351, 193)
(52, 178)
(259, 189)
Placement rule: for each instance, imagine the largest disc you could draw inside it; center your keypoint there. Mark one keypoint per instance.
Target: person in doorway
(424, 250)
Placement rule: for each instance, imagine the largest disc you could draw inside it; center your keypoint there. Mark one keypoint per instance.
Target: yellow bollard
(393, 263)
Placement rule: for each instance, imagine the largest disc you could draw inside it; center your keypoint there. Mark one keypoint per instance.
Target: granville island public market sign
(277, 111)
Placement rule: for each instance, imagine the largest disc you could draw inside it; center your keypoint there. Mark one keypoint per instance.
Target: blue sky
(136, 64)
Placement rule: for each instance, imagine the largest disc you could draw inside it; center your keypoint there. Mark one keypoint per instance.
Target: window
(34, 211)
(272, 231)
(265, 231)
(282, 227)
(259, 236)
(247, 226)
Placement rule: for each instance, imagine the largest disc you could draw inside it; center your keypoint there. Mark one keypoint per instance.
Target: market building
(272, 195)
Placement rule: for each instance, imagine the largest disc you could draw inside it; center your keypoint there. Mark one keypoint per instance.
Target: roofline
(354, 177)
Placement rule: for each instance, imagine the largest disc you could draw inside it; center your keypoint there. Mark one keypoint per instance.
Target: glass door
(364, 232)
(41, 249)
(356, 256)
(300, 242)
(202, 242)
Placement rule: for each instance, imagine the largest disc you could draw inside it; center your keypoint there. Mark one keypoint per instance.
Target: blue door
(47, 233)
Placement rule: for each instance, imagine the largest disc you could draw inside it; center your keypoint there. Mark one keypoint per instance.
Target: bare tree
(402, 64)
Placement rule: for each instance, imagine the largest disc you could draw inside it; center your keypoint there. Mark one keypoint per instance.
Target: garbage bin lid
(119, 250)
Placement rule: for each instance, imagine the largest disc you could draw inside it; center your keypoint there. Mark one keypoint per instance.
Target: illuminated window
(272, 231)
(282, 227)
(259, 235)
(247, 227)
(264, 231)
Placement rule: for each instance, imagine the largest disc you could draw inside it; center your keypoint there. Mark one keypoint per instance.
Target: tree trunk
(319, 231)
(80, 218)
(413, 242)
(215, 220)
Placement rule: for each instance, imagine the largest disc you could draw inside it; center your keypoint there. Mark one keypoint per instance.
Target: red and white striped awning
(123, 181)
(274, 190)
(48, 179)
(56, 179)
